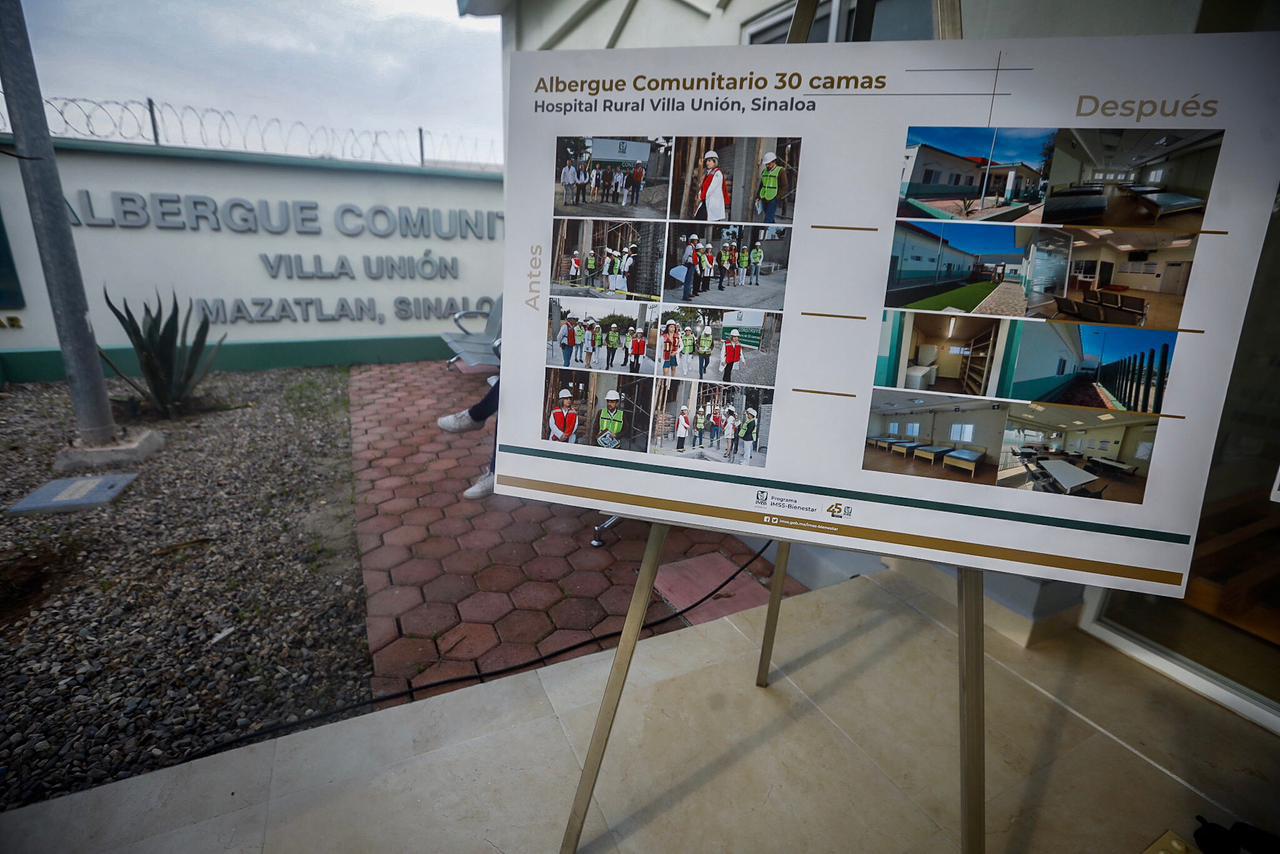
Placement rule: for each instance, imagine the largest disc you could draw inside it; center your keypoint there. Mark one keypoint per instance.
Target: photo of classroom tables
(1113, 177)
(943, 437)
(1073, 451)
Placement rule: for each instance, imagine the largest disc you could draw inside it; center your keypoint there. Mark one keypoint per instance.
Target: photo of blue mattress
(1143, 189)
(909, 445)
(880, 439)
(935, 449)
(1059, 210)
(1094, 190)
(1167, 203)
(967, 456)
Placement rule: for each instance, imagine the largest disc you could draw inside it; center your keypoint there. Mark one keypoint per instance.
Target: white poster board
(959, 235)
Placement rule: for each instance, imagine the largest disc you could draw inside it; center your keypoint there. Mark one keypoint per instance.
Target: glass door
(1223, 639)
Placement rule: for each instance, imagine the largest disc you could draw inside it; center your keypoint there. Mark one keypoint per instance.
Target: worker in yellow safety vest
(706, 343)
(610, 421)
(772, 187)
(757, 258)
(613, 343)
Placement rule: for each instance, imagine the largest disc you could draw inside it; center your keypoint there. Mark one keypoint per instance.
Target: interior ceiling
(1139, 240)
(1111, 148)
(966, 329)
(904, 402)
(1060, 417)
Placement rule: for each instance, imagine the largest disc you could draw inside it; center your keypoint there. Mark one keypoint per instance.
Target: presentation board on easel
(974, 302)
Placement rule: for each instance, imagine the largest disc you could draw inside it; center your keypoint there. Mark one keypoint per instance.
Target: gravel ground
(218, 595)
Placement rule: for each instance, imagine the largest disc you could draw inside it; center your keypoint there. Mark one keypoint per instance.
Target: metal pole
(613, 688)
(422, 148)
(52, 229)
(802, 21)
(972, 731)
(155, 126)
(771, 617)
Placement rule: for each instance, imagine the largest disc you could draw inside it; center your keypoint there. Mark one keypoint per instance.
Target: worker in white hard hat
(747, 432)
(732, 355)
(772, 187)
(635, 182)
(670, 348)
(628, 263)
(685, 246)
(706, 344)
(682, 428)
(610, 430)
(626, 342)
(588, 342)
(730, 432)
(707, 268)
(743, 262)
(717, 426)
(564, 338)
(575, 267)
(724, 262)
(639, 343)
(593, 268)
(713, 197)
(562, 425)
(757, 258)
(686, 351)
(612, 344)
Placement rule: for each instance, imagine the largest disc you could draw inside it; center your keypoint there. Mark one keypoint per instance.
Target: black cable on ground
(276, 729)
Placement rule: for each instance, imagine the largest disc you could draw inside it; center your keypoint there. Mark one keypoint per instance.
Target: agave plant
(170, 368)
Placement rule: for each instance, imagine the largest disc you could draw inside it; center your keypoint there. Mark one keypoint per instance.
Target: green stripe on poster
(853, 495)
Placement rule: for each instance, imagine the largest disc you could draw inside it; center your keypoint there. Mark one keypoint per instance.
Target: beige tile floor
(853, 748)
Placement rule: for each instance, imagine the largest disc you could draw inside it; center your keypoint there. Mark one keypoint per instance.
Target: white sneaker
(458, 422)
(482, 488)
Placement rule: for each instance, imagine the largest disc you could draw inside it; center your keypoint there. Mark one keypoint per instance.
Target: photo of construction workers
(976, 174)
(738, 346)
(737, 266)
(712, 422)
(623, 339)
(622, 177)
(606, 259)
(735, 179)
(605, 410)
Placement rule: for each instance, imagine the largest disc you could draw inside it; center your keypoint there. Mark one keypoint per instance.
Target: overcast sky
(368, 64)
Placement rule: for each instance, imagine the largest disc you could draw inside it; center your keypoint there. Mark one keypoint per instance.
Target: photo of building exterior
(981, 174)
(1003, 270)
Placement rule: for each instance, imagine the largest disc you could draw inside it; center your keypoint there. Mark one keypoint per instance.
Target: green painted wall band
(44, 366)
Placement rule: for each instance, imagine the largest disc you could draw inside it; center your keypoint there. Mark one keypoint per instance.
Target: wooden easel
(969, 595)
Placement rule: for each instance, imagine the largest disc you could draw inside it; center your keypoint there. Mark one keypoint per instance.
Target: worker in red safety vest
(563, 422)
(638, 343)
(732, 355)
(713, 196)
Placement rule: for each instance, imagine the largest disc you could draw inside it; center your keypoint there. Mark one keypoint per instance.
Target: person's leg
(567, 352)
(472, 418)
(728, 372)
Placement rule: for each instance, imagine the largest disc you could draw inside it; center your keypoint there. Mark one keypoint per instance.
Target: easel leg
(613, 688)
(972, 729)
(771, 617)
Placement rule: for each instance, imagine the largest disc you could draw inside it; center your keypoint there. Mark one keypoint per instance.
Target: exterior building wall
(340, 297)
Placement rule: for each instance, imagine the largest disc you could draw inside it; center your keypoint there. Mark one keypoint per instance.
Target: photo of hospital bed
(1163, 204)
(967, 457)
(929, 453)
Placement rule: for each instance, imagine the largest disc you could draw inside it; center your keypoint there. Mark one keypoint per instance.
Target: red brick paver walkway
(460, 588)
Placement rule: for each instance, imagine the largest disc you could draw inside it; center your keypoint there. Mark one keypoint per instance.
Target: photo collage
(1034, 304)
(669, 271)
